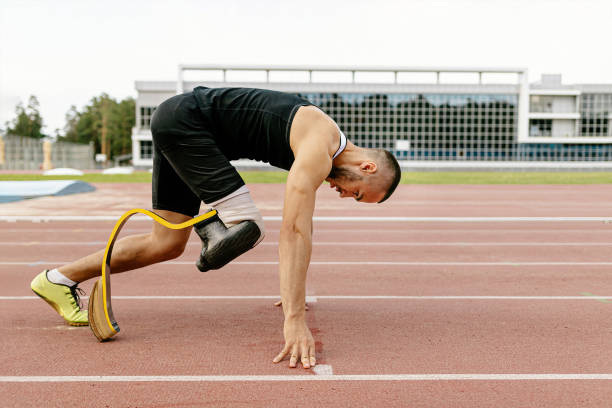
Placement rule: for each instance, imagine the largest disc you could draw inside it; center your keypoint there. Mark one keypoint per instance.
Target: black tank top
(251, 123)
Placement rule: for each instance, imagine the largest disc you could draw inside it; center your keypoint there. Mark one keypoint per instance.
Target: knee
(169, 249)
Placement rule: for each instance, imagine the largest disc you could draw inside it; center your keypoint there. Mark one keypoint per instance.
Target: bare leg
(135, 251)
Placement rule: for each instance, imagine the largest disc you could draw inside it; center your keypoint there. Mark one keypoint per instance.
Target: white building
(429, 117)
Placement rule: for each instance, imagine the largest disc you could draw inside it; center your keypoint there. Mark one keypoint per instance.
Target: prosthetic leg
(221, 244)
(101, 319)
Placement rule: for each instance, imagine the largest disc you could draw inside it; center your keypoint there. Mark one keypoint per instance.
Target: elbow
(293, 230)
(289, 229)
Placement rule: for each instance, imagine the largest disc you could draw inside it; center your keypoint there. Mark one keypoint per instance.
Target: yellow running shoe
(64, 299)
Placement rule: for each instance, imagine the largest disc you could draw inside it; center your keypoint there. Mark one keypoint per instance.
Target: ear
(368, 167)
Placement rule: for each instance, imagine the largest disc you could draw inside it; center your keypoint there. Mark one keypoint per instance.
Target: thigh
(201, 165)
(169, 191)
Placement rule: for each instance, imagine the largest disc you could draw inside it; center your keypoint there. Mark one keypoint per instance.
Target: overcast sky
(65, 52)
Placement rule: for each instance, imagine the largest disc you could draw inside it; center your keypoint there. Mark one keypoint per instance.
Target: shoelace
(75, 291)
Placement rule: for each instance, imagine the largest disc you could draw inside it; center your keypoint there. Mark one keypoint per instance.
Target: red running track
(514, 333)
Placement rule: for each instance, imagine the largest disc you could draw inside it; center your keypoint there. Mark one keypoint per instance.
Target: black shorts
(188, 166)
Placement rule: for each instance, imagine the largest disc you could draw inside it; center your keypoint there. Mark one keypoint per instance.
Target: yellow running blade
(101, 319)
(97, 314)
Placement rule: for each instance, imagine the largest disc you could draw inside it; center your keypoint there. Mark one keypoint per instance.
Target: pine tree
(28, 121)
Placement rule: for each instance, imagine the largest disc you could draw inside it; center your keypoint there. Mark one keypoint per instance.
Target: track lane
(236, 280)
(225, 337)
(463, 394)
(524, 336)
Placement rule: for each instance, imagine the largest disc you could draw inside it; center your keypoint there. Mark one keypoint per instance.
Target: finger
(294, 358)
(313, 360)
(304, 354)
(281, 355)
(306, 306)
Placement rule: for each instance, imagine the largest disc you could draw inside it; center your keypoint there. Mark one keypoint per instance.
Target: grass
(507, 177)
(138, 177)
(458, 177)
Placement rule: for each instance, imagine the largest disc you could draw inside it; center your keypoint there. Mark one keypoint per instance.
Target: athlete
(195, 135)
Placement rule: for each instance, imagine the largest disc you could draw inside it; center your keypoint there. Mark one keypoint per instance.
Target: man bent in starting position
(195, 135)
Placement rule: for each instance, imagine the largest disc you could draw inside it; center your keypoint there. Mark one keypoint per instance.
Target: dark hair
(391, 162)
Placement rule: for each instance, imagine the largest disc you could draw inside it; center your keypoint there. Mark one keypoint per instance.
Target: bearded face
(351, 183)
(344, 174)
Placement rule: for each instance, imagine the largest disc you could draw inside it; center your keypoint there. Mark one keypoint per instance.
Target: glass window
(540, 127)
(146, 149)
(429, 121)
(146, 112)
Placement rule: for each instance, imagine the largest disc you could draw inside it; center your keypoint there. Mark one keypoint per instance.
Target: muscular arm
(295, 244)
(311, 166)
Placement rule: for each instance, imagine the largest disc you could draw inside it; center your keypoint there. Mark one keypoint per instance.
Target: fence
(25, 153)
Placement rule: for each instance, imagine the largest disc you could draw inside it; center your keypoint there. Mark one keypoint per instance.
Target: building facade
(427, 116)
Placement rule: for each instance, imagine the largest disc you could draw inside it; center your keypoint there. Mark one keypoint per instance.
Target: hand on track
(299, 344)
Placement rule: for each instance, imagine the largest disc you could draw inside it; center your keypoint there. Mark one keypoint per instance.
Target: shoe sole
(59, 310)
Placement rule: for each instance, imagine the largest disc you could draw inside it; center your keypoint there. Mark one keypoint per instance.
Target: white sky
(67, 51)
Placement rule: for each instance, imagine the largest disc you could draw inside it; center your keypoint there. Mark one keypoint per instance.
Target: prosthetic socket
(237, 228)
(220, 244)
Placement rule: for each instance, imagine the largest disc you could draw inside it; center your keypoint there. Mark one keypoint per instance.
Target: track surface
(526, 298)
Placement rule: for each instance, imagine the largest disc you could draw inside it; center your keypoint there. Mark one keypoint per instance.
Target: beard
(344, 173)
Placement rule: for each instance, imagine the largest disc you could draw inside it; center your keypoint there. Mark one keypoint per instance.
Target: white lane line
(317, 230)
(306, 377)
(58, 243)
(314, 299)
(399, 297)
(461, 243)
(44, 218)
(309, 299)
(340, 243)
(449, 219)
(341, 263)
(424, 263)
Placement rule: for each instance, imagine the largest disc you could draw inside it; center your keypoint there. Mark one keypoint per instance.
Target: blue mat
(21, 190)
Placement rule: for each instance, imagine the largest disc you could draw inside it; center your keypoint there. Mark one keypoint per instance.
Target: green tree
(123, 119)
(72, 120)
(28, 121)
(105, 122)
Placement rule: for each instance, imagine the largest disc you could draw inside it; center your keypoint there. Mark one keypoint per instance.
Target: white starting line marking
(305, 377)
(340, 263)
(323, 369)
(44, 218)
(340, 243)
(314, 299)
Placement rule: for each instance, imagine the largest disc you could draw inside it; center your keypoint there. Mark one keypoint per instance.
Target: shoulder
(311, 126)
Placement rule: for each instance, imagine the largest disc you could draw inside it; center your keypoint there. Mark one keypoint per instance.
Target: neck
(351, 155)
